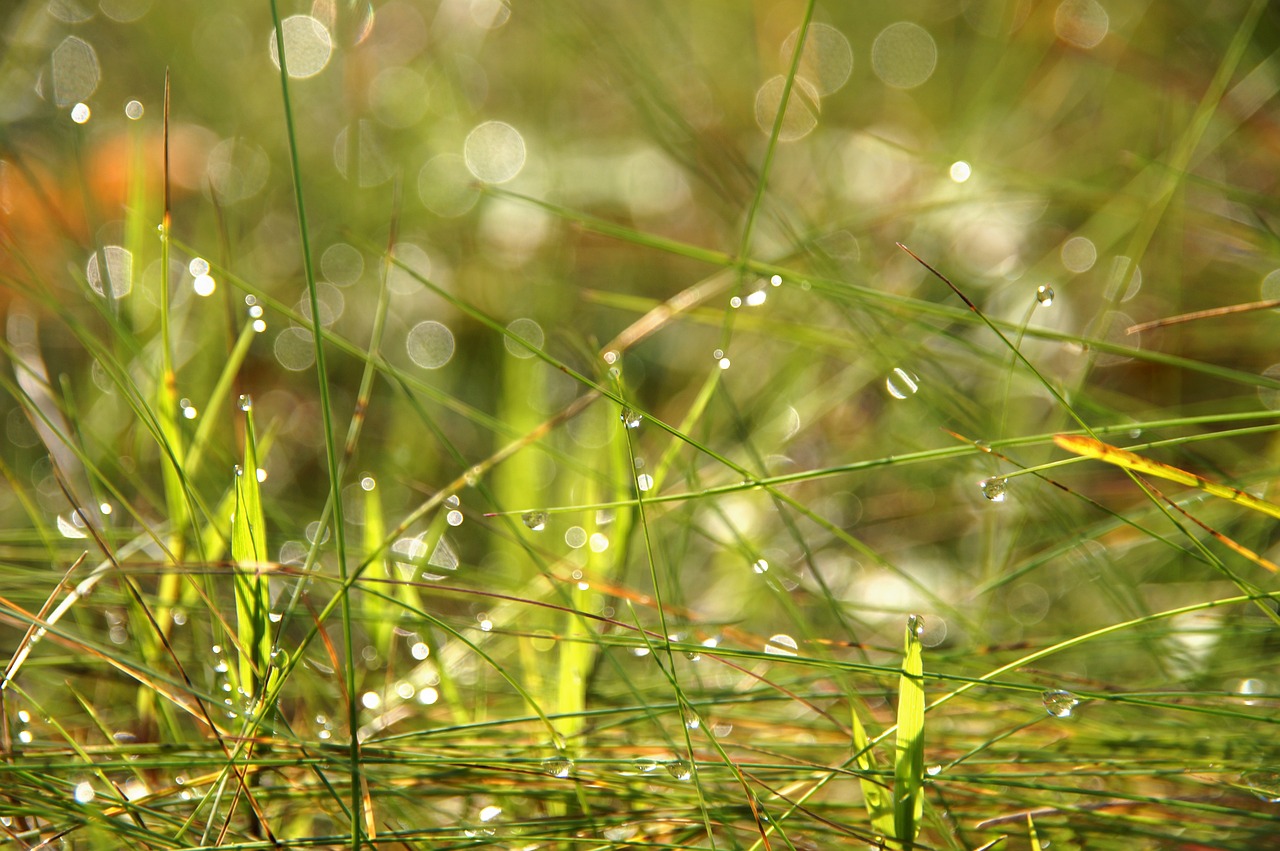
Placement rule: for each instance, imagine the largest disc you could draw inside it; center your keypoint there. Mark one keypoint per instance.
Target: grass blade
(1091, 448)
(908, 768)
(249, 549)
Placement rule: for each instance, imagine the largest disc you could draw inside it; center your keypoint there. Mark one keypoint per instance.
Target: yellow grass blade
(1091, 448)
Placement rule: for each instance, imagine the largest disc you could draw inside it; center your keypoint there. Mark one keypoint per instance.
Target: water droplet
(204, 285)
(901, 383)
(631, 418)
(1264, 784)
(535, 520)
(239, 470)
(644, 482)
(691, 719)
(558, 766)
(198, 266)
(84, 792)
(454, 518)
(781, 645)
(760, 566)
(776, 280)
(961, 171)
(724, 363)
(995, 489)
(133, 110)
(246, 402)
(933, 770)
(646, 765)
(1059, 703)
(1044, 295)
(680, 769)
(915, 625)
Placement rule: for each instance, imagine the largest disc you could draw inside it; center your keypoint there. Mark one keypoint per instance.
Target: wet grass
(632, 486)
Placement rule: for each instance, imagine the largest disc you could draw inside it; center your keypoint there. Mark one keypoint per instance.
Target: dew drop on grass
(558, 766)
(803, 106)
(760, 566)
(915, 625)
(1059, 703)
(996, 489)
(781, 645)
(644, 482)
(631, 418)
(1044, 295)
(535, 520)
(902, 383)
(198, 266)
(691, 719)
(646, 765)
(1264, 784)
(246, 402)
(680, 769)
(494, 152)
(84, 793)
(904, 55)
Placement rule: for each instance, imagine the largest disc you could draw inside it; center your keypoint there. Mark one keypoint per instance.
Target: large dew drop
(781, 645)
(1059, 703)
(902, 383)
(995, 489)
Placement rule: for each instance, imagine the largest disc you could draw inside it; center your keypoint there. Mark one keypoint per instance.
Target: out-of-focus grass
(636, 441)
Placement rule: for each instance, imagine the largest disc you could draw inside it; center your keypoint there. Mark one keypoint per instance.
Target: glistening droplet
(994, 489)
(558, 766)
(901, 383)
(535, 520)
(1059, 703)
(1044, 295)
(631, 418)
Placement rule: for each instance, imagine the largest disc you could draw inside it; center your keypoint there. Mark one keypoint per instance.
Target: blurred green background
(752, 423)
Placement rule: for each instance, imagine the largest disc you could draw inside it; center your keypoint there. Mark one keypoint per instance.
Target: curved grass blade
(1091, 448)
